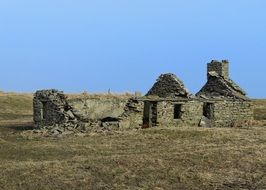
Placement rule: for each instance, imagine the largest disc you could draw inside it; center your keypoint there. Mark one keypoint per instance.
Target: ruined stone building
(220, 102)
(224, 101)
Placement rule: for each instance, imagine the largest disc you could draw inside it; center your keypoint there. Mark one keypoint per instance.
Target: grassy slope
(15, 106)
(181, 158)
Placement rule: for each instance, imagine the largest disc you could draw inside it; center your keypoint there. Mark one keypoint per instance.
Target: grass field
(260, 109)
(180, 158)
(15, 107)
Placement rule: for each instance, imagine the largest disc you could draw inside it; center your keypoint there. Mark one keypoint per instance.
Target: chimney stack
(221, 68)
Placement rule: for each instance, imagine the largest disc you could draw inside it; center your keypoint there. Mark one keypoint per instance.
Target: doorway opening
(44, 111)
(208, 110)
(150, 114)
(177, 111)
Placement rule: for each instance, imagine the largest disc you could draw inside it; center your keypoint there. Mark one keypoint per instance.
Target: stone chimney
(221, 68)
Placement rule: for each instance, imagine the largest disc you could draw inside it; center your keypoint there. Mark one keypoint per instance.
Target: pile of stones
(57, 130)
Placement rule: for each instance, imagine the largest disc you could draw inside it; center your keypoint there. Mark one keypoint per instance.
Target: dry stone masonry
(53, 113)
(50, 106)
(220, 102)
(168, 86)
(219, 85)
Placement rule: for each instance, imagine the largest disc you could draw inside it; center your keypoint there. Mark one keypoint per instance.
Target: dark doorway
(208, 110)
(177, 111)
(44, 111)
(150, 114)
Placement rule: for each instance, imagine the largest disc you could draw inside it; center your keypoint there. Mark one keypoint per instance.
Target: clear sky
(124, 45)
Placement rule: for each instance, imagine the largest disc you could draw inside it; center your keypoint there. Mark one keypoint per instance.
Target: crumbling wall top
(51, 95)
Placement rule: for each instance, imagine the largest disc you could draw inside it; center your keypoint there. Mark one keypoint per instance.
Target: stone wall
(191, 113)
(133, 114)
(98, 107)
(59, 114)
(227, 113)
(53, 108)
(50, 107)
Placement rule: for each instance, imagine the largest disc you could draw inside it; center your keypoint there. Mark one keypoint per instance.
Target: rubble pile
(54, 116)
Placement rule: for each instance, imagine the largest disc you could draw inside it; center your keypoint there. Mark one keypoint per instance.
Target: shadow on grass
(17, 125)
(27, 127)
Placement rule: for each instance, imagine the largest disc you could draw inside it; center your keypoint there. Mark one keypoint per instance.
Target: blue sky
(124, 45)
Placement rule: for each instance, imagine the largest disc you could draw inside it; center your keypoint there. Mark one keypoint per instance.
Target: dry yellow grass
(178, 158)
(100, 96)
(260, 109)
(14, 106)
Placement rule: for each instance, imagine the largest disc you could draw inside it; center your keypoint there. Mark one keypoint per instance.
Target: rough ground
(180, 158)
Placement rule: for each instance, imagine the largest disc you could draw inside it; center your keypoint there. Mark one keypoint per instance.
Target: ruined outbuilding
(59, 113)
(220, 102)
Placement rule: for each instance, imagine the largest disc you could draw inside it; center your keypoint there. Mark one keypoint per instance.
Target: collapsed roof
(168, 86)
(219, 87)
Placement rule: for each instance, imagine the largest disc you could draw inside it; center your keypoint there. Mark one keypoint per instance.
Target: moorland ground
(176, 158)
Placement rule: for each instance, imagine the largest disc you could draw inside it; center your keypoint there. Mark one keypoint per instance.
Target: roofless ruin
(220, 102)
